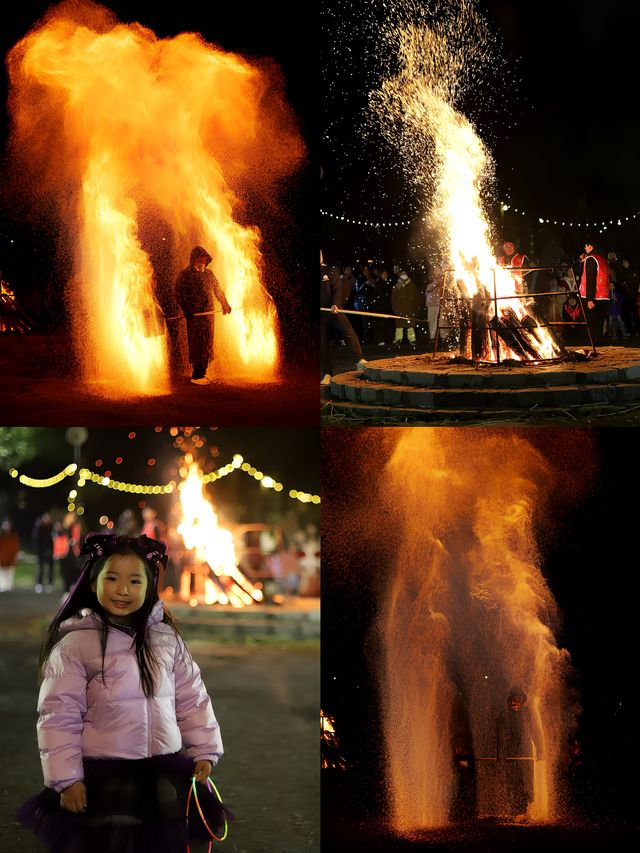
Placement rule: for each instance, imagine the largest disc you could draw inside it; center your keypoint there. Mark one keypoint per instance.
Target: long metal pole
(368, 314)
(198, 314)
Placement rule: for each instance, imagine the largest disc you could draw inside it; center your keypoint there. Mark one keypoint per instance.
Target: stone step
(613, 365)
(352, 388)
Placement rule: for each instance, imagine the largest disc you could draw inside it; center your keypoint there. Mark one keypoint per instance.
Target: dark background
(589, 548)
(558, 115)
(254, 29)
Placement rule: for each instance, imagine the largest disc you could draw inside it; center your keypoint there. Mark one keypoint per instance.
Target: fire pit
(211, 574)
(430, 388)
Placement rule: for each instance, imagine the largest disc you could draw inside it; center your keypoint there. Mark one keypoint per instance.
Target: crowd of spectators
(56, 538)
(413, 289)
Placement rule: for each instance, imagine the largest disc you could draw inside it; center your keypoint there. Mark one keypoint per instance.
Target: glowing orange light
(213, 547)
(211, 120)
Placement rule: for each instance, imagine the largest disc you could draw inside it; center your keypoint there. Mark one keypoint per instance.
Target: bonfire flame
(214, 546)
(130, 133)
(457, 165)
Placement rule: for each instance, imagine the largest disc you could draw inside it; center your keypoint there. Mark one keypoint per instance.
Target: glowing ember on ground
(418, 112)
(213, 549)
(126, 132)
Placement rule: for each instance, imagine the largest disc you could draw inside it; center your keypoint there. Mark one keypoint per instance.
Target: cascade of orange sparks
(212, 545)
(116, 123)
(418, 114)
(467, 614)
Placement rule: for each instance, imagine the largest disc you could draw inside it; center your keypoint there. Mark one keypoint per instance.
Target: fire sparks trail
(119, 126)
(417, 109)
(468, 616)
(212, 545)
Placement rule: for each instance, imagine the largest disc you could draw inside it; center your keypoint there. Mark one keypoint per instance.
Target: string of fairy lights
(402, 223)
(86, 475)
(593, 222)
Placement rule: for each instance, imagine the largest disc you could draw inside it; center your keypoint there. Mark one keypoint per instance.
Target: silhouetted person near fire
(195, 288)
(517, 747)
(594, 291)
(463, 799)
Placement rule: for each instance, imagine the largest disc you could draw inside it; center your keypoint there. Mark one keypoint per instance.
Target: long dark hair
(101, 548)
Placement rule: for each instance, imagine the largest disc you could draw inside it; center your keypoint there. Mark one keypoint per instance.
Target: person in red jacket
(595, 291)
(515, 260)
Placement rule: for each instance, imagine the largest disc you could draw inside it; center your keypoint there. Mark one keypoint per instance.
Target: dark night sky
(562, 127)
(255, 30)
(588, 557)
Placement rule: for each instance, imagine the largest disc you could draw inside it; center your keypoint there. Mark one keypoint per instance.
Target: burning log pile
(330, 745)
(211, 575)
(511, 331)
(12, 317)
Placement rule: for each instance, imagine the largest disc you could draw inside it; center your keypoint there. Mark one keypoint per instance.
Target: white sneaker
(203, 381)
(48, 588)
(326, 379)
(38, 587)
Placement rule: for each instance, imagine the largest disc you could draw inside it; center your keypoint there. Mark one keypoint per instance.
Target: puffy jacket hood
(90, 707)
(199, 252)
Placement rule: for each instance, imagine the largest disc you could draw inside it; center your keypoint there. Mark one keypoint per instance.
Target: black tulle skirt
(132, 806)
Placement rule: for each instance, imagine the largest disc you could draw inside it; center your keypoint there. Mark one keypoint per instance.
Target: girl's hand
(74, 798)
(202, 770)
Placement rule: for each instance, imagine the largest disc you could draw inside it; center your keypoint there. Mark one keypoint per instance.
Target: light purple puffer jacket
(79, 717)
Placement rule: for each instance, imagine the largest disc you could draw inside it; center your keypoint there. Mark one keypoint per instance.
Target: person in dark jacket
(518, 747)
(195, 288)
(42, 540)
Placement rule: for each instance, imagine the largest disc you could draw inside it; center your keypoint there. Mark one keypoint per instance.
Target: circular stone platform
(422, 384)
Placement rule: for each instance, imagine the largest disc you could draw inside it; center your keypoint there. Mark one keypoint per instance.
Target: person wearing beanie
(595, 291)
(195, 288)
(404, 301)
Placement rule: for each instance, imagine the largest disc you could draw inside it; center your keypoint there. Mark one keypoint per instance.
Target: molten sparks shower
(472, 681)
(418, 110)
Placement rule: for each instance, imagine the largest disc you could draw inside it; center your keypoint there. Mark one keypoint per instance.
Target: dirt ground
(347, 825)
(39, 389)
(266, 698)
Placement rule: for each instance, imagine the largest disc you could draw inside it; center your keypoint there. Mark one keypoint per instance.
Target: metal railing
(494, 332)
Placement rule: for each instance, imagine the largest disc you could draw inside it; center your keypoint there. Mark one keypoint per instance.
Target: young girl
(124, 719)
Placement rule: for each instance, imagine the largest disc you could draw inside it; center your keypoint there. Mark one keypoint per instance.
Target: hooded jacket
(194, 294)
(80, 717)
